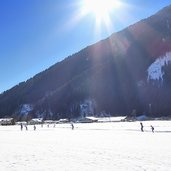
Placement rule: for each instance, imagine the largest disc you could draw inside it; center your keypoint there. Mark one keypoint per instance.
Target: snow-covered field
(91, 147)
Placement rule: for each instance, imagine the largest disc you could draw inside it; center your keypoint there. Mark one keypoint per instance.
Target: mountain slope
(128, 71)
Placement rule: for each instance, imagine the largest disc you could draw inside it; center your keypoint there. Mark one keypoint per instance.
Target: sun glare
(101, 9)
(101, 13)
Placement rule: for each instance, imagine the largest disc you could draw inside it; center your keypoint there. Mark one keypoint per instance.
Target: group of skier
(34, 127)
(142, 127)
(21, 126)
(72, 127)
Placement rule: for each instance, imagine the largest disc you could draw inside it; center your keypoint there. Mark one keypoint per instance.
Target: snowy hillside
(155, 71)
(114, 76)
(26, 108)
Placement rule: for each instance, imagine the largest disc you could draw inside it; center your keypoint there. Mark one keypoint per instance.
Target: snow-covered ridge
(155, 69)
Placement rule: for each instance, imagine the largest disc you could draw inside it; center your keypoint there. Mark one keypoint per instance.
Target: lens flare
(101, 9)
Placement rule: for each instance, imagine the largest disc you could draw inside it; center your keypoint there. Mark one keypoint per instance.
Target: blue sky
(35, 34)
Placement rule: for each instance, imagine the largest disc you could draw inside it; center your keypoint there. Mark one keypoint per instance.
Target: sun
(101, 14)
(101, 9)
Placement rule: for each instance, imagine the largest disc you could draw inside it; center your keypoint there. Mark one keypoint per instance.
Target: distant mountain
(129, 72)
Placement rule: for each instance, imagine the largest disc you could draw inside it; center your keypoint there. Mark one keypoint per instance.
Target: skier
(152, 128)
(142, 130)
(34, 127)
(26, 127)
(21, 126)
(72, 125)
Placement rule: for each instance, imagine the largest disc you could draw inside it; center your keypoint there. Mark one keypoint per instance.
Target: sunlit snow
(155, 69)
(109, 146)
